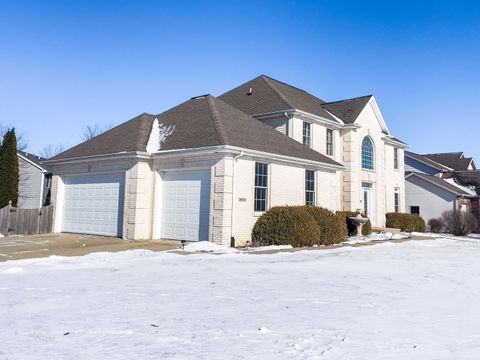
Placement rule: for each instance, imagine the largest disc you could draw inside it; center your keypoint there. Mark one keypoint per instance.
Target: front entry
(368, 200)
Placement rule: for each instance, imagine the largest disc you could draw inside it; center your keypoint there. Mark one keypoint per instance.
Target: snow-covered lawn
(412, 300)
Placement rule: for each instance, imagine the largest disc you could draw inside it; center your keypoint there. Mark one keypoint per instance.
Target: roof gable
(348, 110)
(35, 160)
(265, 95)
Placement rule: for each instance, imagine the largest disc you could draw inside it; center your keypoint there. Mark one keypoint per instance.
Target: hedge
(405, 222)
(332, 229)
(286, 225)
(349, 226)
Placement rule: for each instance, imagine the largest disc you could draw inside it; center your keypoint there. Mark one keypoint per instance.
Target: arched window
(368, 160)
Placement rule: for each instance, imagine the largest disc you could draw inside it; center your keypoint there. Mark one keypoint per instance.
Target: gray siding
(29, 187)
(431, 199)
(414, 165)
(280, 124)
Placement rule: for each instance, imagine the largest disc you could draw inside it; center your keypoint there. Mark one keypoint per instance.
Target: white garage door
(93, 204)
(185, 205)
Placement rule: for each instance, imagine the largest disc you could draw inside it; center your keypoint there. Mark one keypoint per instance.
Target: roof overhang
(246, 152)
(303, 115)
(458, 193)
(429, 163)
(389, 140)
(31, 162)
(198, 151)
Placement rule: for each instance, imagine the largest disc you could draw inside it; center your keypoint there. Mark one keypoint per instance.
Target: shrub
(349, 226)
(436, 225)
(459, 223)
(332, 228)
(405, 222)
(286, 225)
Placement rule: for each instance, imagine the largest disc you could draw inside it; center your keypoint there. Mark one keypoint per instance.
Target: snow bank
(208, 246)
(374, 237)
(411, 300)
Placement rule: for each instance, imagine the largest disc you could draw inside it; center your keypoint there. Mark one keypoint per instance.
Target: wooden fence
(26, 221)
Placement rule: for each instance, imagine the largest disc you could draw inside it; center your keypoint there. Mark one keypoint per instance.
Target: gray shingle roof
(427, 161)
(208, 121)
(32, 157)
(199, 122)
(441, 183)
(270, 95)
(454, 160)
(348, 110)
(132, 135)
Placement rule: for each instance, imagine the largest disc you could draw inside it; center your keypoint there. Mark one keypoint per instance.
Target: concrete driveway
(34, 246)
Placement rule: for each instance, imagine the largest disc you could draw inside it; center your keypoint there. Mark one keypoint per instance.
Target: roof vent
(199, 97)
(250, 91)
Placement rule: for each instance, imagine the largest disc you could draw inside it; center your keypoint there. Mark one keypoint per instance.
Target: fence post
(8, 216)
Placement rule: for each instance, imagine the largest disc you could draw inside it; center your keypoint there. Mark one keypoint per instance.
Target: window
(397, 200)
(307, 133)
(395, 158)
(329, 142)
(309, 187)
(415, 210)
(261, 187)
(367, 154)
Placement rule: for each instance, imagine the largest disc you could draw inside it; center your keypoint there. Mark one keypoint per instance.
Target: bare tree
(51, 150)
(94, 130)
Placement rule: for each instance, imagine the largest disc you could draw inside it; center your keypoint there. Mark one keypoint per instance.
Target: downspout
(232, 237)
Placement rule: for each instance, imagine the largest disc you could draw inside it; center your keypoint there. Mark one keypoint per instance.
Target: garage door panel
(185, 206)
(94, 204)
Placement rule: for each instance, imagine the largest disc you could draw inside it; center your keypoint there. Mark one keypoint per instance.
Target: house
(209, 167)
(352, 132)
(433, 184)
(34, 181)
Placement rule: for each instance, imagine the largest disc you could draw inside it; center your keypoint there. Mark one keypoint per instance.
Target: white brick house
(206, 169)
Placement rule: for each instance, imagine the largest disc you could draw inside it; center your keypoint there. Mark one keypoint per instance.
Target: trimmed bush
(286, 225)
(349, 226)
(436, 225)
(459, 223)
(405, 222)
(332, 228)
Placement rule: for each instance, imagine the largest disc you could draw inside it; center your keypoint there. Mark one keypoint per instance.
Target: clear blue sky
(64, 65)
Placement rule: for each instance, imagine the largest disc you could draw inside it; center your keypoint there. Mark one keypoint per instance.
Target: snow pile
(410, 300)
(209, 247)
(160, 133)
(1, 236)
(269, 248)
(468, 190)
(375, 237)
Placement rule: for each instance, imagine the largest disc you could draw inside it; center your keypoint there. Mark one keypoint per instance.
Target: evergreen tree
(9, 169)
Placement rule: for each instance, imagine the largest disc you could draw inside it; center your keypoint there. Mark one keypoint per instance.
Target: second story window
(395, 158)
(261, 187)
(368, 160)
(329, 142)
(309, 187)
(307, 132)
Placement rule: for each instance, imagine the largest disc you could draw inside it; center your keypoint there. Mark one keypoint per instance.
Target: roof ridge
(345, 100)
(284, 83)
(218, 125)
(278, 92)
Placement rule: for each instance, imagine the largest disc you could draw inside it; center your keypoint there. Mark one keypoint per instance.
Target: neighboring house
(34, 181)
(208, 168)
(433, 187)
